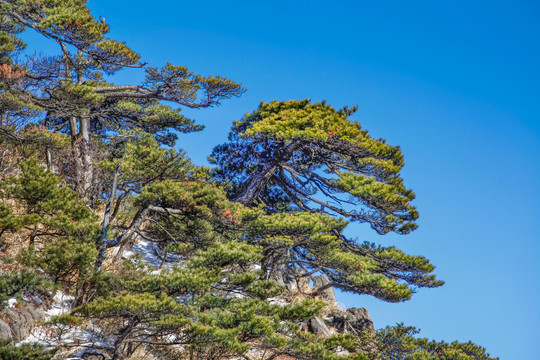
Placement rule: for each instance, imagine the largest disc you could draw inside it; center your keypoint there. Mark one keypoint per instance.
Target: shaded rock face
(93, 356)
(333, 320)
(350, 321)
(5, 330)
(17, 323)
(325, 292)
(354, 321)
(359, 319)
(318, 327)
(86, 353)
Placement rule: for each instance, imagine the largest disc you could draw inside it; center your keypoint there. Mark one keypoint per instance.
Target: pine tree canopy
(311, 157)
(159, 258)
(68, 92)
(310, 168)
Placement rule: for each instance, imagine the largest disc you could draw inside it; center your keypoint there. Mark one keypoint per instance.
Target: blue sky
(455, 84)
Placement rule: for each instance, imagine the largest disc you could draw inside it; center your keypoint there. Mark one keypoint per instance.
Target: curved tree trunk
(257, 181)
(255, 184)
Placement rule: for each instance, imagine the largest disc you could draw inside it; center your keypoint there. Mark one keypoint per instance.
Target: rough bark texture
(255, 184)
(84, 167)
(257, 181)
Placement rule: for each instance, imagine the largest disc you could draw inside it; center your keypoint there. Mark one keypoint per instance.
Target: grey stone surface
(18, 322)
(359, 319)
(353, 320)
(37, 312)
(319, 327)
(27, 322)
(327, 295)
(93, 356)
(15, 322)
(5, 330)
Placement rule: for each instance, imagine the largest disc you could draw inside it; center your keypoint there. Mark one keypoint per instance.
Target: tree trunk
(50, 164)
(257, 181)
(83, 159)
(107, 218)
(255, 184)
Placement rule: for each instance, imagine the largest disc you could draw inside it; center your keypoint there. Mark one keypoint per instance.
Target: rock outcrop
(323, 290)
(318, 327)
(17, 323)
(332, 320)
(353, 320)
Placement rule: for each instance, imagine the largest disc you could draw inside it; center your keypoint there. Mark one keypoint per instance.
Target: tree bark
(84, 167)
(257, 181)
(107, 219)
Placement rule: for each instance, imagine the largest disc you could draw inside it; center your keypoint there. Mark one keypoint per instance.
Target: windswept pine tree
(302, 160)
(88, 173)
(69, 91)
(311, 157)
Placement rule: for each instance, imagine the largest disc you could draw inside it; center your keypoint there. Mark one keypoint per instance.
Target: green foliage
(24, 352)
(310, 168)
(61, 231)
(67, 93)
(270, 216)
(65, 260)
(312, 157)
(302, 242)
(312, 243)
(13, 284)
(79, 89)
(144, 162)
(44, 206)
(202, 214)
(207, 306)
(399, 343)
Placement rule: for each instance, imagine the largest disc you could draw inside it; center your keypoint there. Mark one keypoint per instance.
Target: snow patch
(278, 301)
(61, 304)
(151, 255)
(12, 302)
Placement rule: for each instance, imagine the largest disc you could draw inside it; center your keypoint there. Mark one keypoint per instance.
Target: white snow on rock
(278, 301)
(151, 255)
(53, 335)
(61, 304)
(50, 336)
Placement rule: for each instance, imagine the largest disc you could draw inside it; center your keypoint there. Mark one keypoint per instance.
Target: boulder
(37, 312)
(93, 356)
(326, 295)
(359, 319)
(18, 322)
(319, 327)
(353, 320)
(5, 331)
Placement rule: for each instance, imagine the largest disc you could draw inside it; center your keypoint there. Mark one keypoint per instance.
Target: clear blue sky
(455, 83)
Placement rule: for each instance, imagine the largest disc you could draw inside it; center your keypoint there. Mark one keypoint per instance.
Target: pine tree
(311, 157)
(308, 165)
(87, 165)
(59, 230)
(399, 343)
(69, 91)
(9, 351)
(13, 284)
